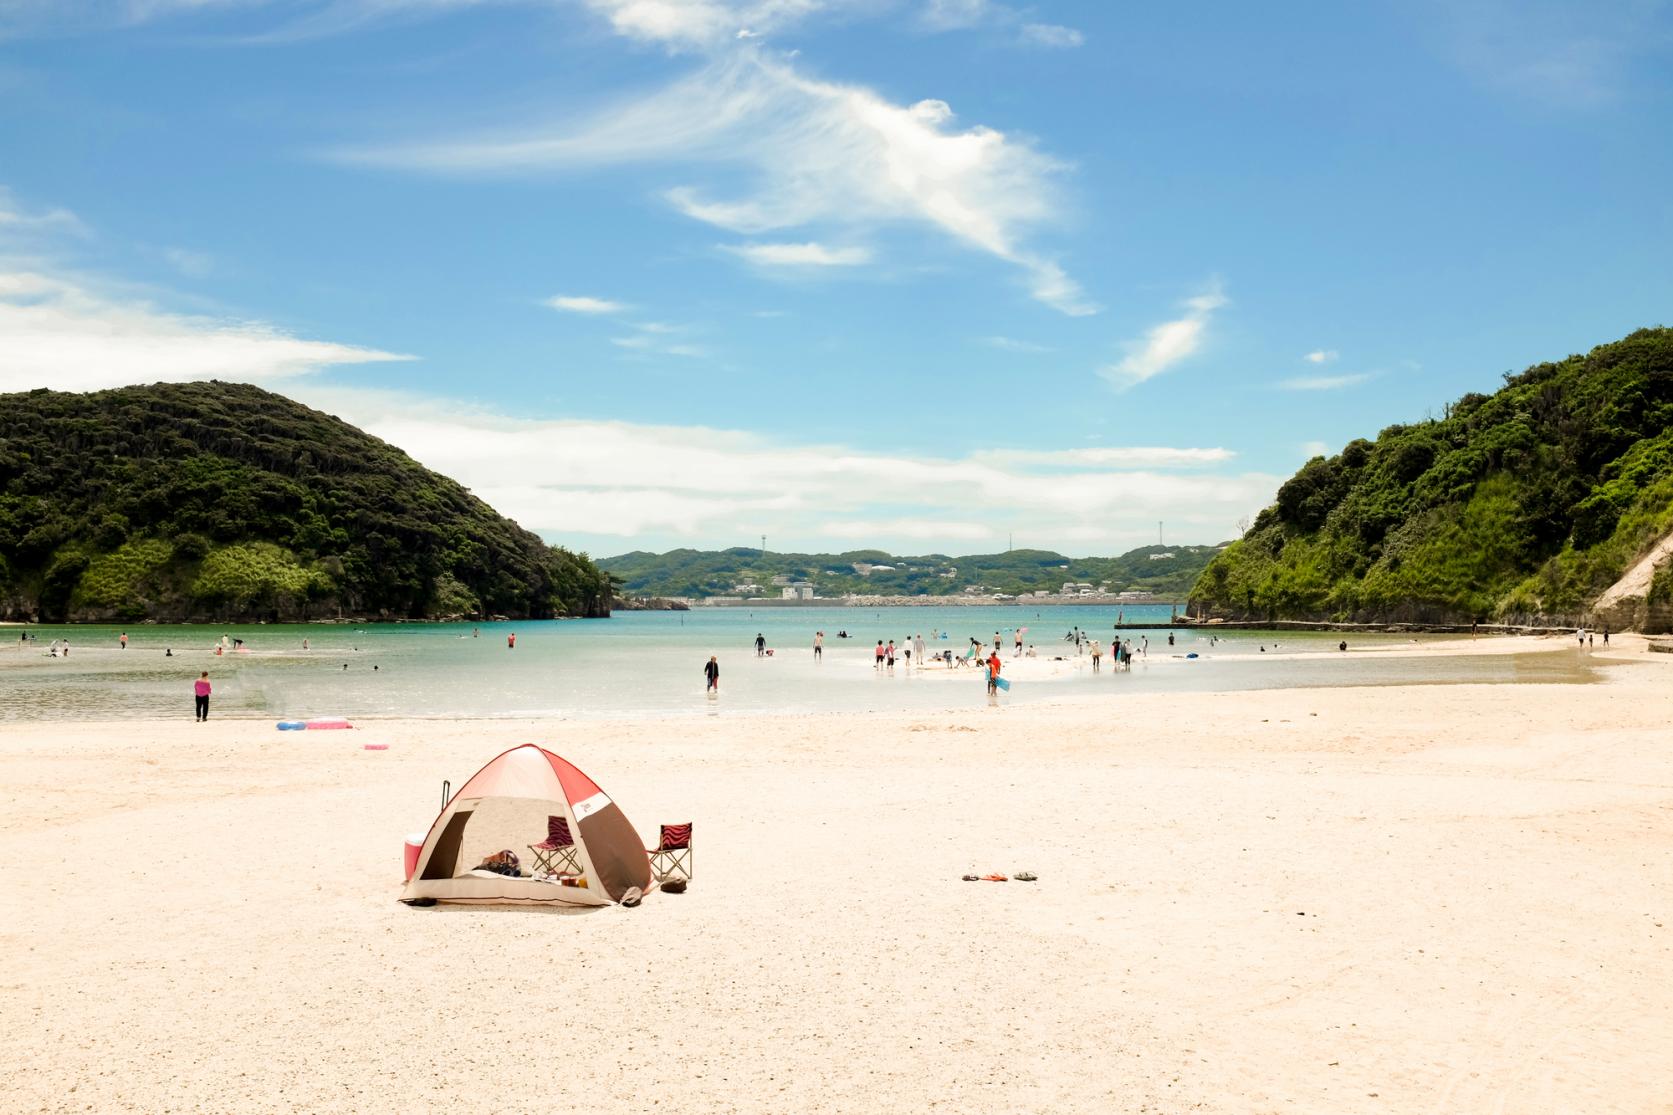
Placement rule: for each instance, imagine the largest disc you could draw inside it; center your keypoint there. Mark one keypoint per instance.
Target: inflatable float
(320, 723)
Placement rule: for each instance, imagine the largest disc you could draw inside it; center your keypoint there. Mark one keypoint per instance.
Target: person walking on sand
(1019, 643)
(124, 640)
(889, 655)
(510, 641)
(993, 675)
(1097, 655)
(711, 674)
(918, 645)
(878, 663)
(818, 646)
(760, 645)
(200, 689)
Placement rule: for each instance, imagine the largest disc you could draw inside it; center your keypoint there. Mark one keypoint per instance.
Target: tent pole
(444, 785)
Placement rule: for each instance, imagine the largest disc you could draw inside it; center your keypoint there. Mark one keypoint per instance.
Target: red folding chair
(671, 858)
(556, 854)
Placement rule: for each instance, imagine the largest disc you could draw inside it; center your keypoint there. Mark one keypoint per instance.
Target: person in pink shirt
(201, 688)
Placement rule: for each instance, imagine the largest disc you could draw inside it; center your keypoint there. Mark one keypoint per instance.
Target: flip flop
(1025, 877)
(972, 878)
(994, 878)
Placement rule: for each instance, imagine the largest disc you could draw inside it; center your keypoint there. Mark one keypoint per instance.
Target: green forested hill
(224, 501)
(1166, 571)
(1527, 502)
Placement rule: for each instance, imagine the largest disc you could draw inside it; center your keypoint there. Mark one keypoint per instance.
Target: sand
(1422, 899)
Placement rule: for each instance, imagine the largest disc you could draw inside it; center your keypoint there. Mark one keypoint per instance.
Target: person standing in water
(124, 640)
(200, 689)
(511, 641)
(1019, 642)
(1097, 654)
(818, 646)
(760, 645)
(711, 674)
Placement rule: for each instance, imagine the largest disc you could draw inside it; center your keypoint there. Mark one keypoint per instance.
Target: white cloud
(585, 304)
(1572, 55)
(1321, 356)
(1145, 456)
(958, 15)
(192, 264)
(622, 479)
(823, 154)
(60, 333)
(810, 254)
(1324, 383)
(1052, 35)
(1166, 344)
(15, 223)
(970, 15)
(699, 23)
(1313, 449)
(643, 343)
(930, 530)
(1011, 344)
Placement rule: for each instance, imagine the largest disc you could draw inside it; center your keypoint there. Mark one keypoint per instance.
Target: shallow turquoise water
(650, 663)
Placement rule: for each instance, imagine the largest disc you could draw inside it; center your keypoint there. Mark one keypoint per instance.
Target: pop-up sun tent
(506, 804)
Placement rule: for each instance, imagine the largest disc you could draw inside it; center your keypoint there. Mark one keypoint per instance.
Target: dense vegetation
(704, 573)
(224, 501)
(1525, 503)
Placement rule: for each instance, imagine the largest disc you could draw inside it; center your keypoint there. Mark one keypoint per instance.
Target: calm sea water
(650, 663)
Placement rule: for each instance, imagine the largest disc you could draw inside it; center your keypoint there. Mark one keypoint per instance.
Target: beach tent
(506, 805)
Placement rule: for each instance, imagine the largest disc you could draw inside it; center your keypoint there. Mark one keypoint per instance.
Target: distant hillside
(704, 573)
(222, 501)
(1526, 503)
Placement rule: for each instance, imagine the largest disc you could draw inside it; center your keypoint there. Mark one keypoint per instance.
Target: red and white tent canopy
(507, 804)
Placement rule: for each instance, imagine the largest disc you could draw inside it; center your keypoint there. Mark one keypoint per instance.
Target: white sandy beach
(1395, 899)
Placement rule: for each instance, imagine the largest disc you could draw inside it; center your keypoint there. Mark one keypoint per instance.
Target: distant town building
(801, 590)
(1159, 557)
(782, 579)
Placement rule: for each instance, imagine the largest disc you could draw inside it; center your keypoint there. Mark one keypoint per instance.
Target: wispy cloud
(700, 23)
(18, 222)
(1131, 456)
(1325, 383)
(650, 344)
(1011, 344)
(1321, 356)
(1314, 449)
(585, 304)
(1165, 345)
(1052, 35)
(809, 254)
(824, 154)
(195, 265)
(1572, 55)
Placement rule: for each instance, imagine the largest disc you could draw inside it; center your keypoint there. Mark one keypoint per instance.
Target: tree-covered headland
(221, 501)
(1520, 505)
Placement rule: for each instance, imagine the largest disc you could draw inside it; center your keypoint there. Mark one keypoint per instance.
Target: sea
(650, 664)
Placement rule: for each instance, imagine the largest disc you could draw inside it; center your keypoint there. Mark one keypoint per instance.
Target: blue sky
(913, 274)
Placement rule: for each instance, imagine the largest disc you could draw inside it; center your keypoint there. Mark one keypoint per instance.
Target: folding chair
(556, 854)
(671, 858)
